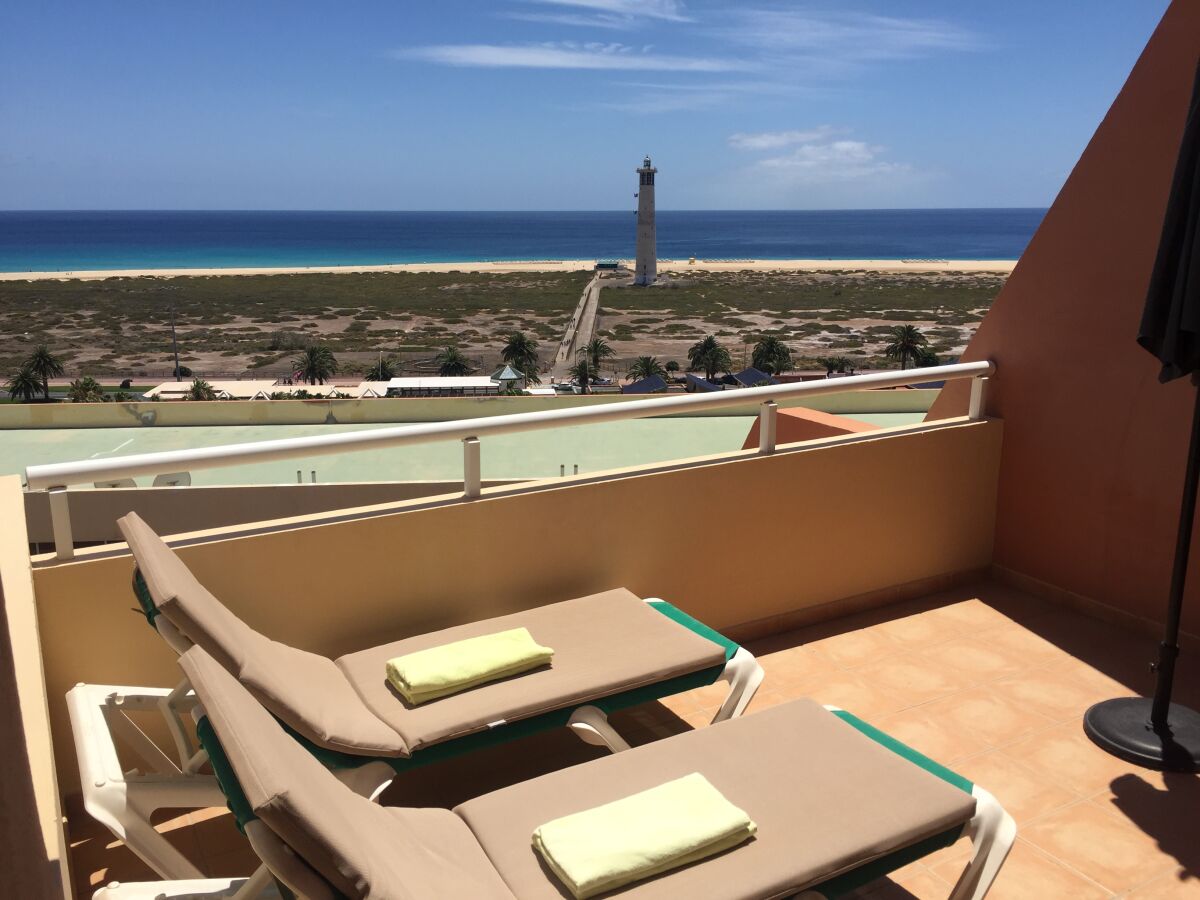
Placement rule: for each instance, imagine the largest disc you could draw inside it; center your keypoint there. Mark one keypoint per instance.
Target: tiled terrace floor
(985, 679)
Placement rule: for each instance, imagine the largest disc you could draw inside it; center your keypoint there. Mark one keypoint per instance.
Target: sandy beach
(560, 265)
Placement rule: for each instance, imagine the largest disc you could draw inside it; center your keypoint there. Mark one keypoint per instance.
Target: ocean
(69, 241)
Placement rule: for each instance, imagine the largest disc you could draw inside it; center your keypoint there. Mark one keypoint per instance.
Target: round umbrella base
(1122, 727)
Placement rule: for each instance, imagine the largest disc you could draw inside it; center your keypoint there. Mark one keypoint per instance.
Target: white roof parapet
(236, 390)
(436, 382)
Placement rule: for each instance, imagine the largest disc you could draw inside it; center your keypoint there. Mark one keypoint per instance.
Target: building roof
(696, 383)
(653, 384)
(440, 382)
(752, 376)
(234, 390)
(507, 373)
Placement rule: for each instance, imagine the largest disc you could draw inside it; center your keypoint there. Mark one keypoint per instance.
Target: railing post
(975, 410)
(767, 417)
(60, 523)
(472, 478)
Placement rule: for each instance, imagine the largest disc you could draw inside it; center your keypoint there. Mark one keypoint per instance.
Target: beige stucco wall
(33, 859)
(731, 541)
(346, 412)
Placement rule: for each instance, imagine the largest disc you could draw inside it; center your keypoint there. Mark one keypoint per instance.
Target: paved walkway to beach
(579, 330)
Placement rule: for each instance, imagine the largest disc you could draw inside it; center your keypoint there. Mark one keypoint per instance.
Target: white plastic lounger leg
(124, 800)
(367, 781)
(744, 674)
(190, 889)
(591, 725)
(992, 832)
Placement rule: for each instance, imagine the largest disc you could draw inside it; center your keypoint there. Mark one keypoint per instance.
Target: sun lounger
(612, 650)
(837, 804)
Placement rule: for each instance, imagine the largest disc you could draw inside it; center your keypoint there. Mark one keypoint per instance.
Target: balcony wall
(1095, 447)
(743, 542)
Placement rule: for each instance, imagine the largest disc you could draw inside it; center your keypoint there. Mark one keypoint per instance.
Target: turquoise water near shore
(69, 241)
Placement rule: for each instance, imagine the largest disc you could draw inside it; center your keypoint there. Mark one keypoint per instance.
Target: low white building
(225, 390)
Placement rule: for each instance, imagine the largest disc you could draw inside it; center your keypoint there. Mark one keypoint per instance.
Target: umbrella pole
(1157, 733)
(1168, 649)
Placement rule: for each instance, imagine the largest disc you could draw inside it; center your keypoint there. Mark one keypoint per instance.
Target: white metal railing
(57, 477)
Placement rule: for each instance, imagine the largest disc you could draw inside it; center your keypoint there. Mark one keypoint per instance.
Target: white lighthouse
(646, 267)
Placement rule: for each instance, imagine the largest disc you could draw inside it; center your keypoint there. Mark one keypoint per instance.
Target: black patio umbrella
(1155, 732)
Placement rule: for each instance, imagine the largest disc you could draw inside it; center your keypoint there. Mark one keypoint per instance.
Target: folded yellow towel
(648, 833)
(450, 668)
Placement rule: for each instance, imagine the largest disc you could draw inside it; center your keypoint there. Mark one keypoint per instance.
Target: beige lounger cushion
(603, 644)
(362, 849)
(826, 798)
(305, 690)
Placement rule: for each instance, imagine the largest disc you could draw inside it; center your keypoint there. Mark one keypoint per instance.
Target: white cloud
(821, 163)
(623, 23)
(564, 55)
(669, 10)
(817, 156)
(773, 140)
(845, 36)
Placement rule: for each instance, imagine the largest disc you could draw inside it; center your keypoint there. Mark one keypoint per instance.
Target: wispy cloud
(844, 35)
(773, 140)
(818, 156)
(668, 10)
(565, 55)
(575, 20)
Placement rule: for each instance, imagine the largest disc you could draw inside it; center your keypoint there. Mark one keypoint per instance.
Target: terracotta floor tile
(1177, 885)
(1033, 648)
(972, 616)
(990, 716)
(914, 885)
(1023, 794)
(1090, 840)
(926, 731)
(977, 658)
(856, 648)
(914, 677)
(1063, 754)
(916, 631)
(852, 692)
(1164, 806)
(1049, 692)
(793, 672)
(1029, 874)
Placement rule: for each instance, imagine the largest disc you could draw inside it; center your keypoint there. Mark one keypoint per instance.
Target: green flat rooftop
(593, 448)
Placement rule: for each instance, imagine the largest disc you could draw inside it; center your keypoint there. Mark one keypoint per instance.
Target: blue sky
(550, 104)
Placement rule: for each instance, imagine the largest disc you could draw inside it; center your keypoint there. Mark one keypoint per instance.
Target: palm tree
(451, 362)
(584, 372)
(709, 357)
(927, 358)
(316, 364)
(201, 390)
(25, 385)
(771, 355)
(521, 352)
(646, 367)
(85, 390)
(907, 343)
(597, 350)
(384, 370)
(671, 366)
(45, 365)
(843, 364)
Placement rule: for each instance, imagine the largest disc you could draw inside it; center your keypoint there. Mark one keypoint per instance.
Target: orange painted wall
(795, 425)
(1094, 446)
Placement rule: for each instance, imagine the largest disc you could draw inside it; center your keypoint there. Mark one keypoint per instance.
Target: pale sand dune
(566, 265)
